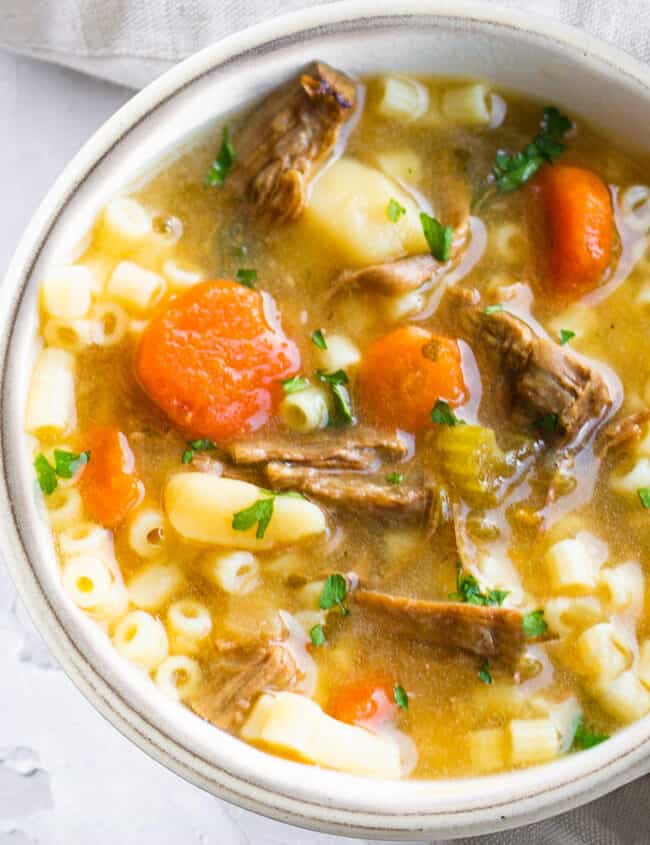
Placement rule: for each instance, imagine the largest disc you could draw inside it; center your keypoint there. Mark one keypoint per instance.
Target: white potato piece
(292, 723)
(341, 354)
(67, 291)
(349, 207)
(533, 741)
(573, 565)
(467, 105)
(136, 288)
(153, 586)
(124, 225)
(201, 507)
(178, 677)
(181, 276)
(487, 750)
(402, 165)
(603, 652)
(565, 715)
(402, 98)
(625, 698)
(141, 639)
(51, 408)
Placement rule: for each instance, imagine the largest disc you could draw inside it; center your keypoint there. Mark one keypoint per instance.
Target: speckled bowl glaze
(548, 61)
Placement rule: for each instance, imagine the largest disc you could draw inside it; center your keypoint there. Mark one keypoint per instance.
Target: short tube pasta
(178, 677)
(468, 105)
(625, 697)
(67, 292)
(189, 622)
(305, 411)
(602, 652)
(533, 741)
(86, 538)
(488, 749)
(235, 572)
(340, 354)
(141, 639)
(147, 532)
(65, 507)
(573, 566)
(636, 478)
(181, 276)
(114, 323)
(125, 224)
(87, 580)
(402, 98)
(72, 335)
(51, 407)
(136, 288)
(153, 586)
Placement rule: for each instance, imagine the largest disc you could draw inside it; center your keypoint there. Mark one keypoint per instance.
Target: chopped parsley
(334, 593)
(337, 382)
(534, 624)
(317, 635)
(438, 237)
(223, 162)
(566, 335)
(395, 477)
(295, 384)
(644, 497)
(493, 309)
(548, 422)
(194, 446)
(401, 697)
(443, 415)
(484, 672)
(584, 739)
(511, 171)
(318, 339)
(66, 464)
(246, 276)
(468, 590)
(259, 512)
(395, 210)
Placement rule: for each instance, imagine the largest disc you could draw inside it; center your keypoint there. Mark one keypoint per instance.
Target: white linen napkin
(130, 42)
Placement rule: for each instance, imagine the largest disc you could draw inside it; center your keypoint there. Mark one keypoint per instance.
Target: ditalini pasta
(343, 434)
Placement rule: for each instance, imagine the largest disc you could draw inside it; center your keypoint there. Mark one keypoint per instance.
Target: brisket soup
(341, 425)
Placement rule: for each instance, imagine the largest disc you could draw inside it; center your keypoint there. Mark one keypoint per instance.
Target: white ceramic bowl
(548, 61)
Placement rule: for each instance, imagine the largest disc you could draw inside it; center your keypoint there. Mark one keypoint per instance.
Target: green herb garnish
(468, 590)
(484, 672)
(644, 496)
(334, 593)
(493, 309)
(443, 415)
(401, 697)
(246, 276)
(438, 237)
(566, 335)
(259, 512)
(202, 445)
(66, 464)
(295, 384)
(317, 635)
(318, 339)
(395, 477)
(534, 624)
(395, 210)
(584, 739)
(223, 162)
(337, 382)
(548, 422)
(511, 171)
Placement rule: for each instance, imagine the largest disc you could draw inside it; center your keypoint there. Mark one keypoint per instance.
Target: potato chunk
(349, 205)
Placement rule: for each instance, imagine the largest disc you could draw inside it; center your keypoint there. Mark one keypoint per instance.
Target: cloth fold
(130, 42)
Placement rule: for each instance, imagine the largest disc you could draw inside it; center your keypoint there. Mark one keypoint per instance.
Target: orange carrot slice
(403, 374)
(213, 359)
(109, 485)
(368, 698)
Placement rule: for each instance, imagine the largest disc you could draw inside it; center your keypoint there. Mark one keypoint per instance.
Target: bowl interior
(537, 59)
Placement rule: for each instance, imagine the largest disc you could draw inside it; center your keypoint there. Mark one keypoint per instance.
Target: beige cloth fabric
(132, 41)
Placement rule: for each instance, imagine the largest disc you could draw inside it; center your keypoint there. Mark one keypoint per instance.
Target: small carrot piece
(403, 374)
(578, 228)
(213, 359)
(109, 485)
(369, 698)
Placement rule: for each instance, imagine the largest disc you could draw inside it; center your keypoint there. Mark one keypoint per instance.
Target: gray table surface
(67, 777)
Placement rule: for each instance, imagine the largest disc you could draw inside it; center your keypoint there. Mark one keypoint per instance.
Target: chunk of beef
(489, 631)
(225, 701)
(288, 138)
(545, 381)
(349, 490)
(394, 278)
(621, 432)
(357, 450)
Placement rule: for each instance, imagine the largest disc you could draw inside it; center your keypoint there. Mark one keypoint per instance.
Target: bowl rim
(317, 803)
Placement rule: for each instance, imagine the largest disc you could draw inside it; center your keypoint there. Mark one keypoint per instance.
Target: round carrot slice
(403, 374)
(109, 485)
(578, 228)
(213, 359)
